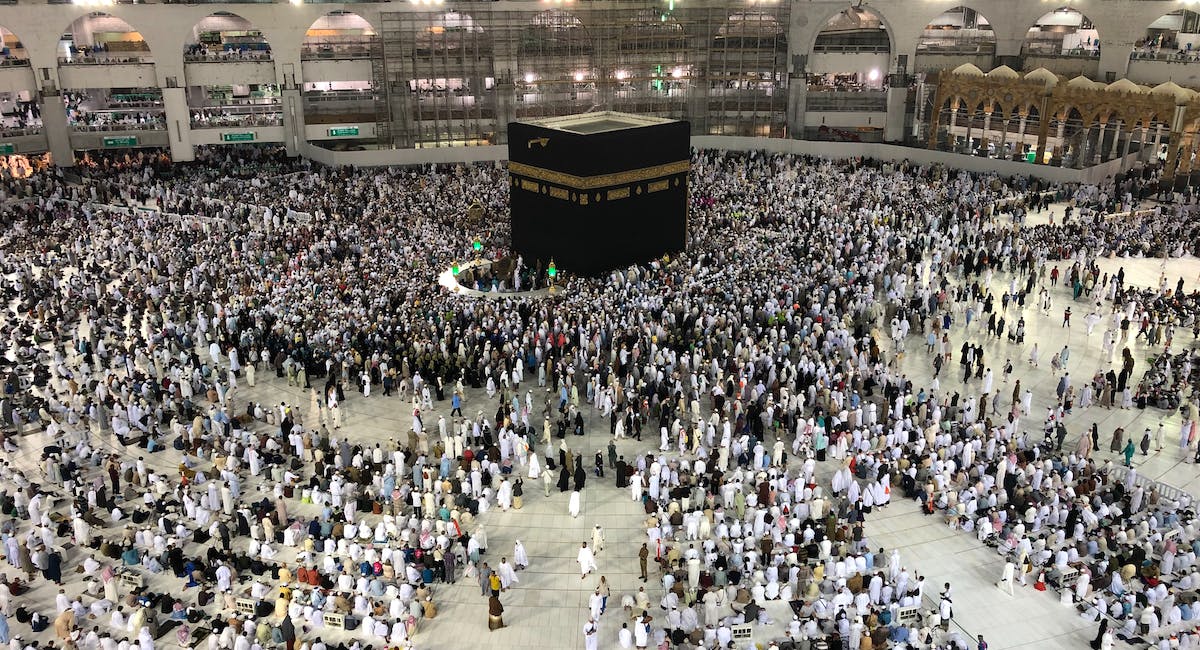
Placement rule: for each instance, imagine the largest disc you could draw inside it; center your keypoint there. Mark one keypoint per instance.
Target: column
(54, 125)
(952, 144)
(897, 106)
(1116, 151)
(1127, 147)
(935, 118)
(967, 139)
(506, 103)
(294, 137)
(1157, 144)
(797, 104)
(1099, 148)
(1185, 155)
(1004, 141)
(1175, 141)
(987, 124)
(1114, 58)
(179, 128)
(1172, 160)
(1021, 133)
(1044, 118)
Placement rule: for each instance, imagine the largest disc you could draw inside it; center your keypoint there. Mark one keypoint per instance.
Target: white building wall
(168, 27)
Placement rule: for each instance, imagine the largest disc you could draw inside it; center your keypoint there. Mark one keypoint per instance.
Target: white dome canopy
(1003, 72)
(1043, 75)
(1182, 95)
(1126, 86)
(968, 70)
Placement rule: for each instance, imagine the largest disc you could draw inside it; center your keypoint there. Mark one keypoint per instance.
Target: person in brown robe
(495, 613)
(64, 624)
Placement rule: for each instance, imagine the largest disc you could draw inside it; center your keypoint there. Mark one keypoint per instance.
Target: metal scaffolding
(450, 78)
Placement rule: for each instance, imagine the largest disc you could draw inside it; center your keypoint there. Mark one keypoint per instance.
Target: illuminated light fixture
(297, 2)
(622, 75)
(529, 77)
(873, 75)
(677, 73)
(578, 77)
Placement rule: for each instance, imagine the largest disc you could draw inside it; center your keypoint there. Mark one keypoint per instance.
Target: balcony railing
(119, 126)
(227, 56)
(849, 101)
(956, 46)
(840, 48)
(16, 132)
(224, 120)
(12, 62)
(339, 96)
(104, 58)
(342, 48)
(1178, 56)
(1053, 49)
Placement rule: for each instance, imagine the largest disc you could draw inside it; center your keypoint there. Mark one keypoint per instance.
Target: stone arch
(757, 29)
(226, 33)
(12, 45)
(1162, 37)
(341, 32)
(956, 28)
(103, 35)
(850, 14)
(651, 29)
(555, 32)
(452, 33)
(1065, 30)
(653, 44)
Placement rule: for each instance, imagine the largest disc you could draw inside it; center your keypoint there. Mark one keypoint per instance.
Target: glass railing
(226, 118)
(836, 48)
(337, 48)
(956, 46)
(864, 102)
(18, 131)
(107, 58)
(1178, 56)
(119, 126)
(227, 56)
(1055, 50)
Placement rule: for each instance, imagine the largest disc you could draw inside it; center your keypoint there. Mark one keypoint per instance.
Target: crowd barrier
(1120, 473)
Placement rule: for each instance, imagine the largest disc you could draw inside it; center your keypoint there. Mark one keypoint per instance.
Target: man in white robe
(508, 575)
(587, 561)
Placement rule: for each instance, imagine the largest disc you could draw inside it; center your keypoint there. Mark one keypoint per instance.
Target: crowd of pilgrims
(776, 416)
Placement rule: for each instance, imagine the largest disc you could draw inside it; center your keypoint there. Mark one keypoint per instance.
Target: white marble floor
(548, 608)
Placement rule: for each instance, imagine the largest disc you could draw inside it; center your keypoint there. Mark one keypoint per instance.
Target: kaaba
(598, 191)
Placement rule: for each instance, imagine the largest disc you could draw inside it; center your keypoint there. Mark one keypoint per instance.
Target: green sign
(1031, 156)
(342, 131)
(247, 136)
(121, 141)
(7, 148)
